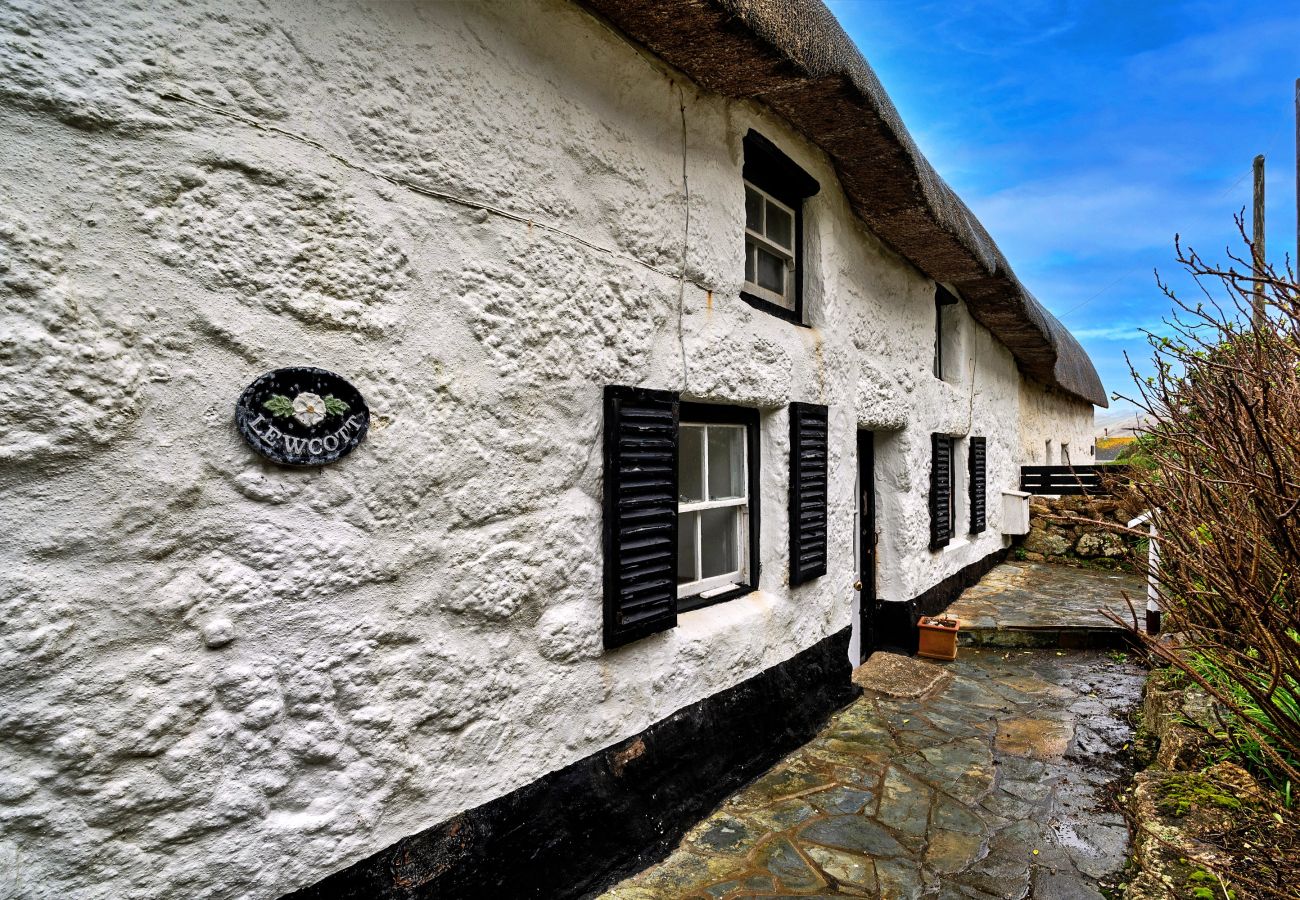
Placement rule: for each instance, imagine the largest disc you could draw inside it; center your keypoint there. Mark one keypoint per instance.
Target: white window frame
(787, 299)
(719, 583)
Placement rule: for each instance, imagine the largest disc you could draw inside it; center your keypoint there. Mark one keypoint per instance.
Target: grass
(1235, 743)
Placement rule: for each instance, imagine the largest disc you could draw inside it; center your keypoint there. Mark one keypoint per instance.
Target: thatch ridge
(793, 57)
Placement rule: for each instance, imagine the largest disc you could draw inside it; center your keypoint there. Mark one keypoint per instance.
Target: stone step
(1027, 605)
(1064, 637)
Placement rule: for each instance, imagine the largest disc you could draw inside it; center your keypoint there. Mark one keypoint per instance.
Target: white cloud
(1122, 332)
(1210, 61)
(1094, 214)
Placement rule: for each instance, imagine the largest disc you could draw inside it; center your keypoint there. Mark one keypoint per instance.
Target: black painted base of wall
(896, 621)
(577, 831)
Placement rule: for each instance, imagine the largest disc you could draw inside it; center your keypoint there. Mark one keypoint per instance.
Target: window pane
(753, 210)
(690, 464)
(780, 226)
(771, 271)
(718, 544)
(687, 564)
(749, 262)
(726, 462)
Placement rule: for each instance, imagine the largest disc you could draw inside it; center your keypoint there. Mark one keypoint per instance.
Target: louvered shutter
(940, 486)
(640, 528)
(808, 463)
(978, 484)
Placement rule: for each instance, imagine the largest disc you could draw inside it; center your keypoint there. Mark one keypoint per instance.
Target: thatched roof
(793, 57)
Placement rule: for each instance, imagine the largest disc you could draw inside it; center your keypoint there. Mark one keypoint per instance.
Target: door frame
(867, 541)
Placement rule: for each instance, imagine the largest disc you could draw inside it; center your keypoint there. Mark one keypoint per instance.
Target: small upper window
(769, 248)
(944, 333)
(775, 190)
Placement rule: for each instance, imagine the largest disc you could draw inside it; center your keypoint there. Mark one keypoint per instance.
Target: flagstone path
(988, 777)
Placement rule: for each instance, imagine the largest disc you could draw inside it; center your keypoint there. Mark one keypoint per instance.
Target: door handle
(857, 585)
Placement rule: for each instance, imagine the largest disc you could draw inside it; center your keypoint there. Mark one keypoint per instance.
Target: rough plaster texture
(221, 679)
(1049, 415)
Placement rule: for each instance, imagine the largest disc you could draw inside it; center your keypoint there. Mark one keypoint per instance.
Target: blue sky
(1086, 134)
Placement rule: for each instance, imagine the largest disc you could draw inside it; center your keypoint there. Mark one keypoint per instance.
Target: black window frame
(768, 168)
(723, 414)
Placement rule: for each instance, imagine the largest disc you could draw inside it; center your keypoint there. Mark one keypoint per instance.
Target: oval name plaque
(302, 416)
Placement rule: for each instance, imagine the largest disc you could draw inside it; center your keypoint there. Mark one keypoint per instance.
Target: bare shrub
(1221, 468)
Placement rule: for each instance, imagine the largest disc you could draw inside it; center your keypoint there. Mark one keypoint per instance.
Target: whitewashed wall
(1048, 415)
(416, 630)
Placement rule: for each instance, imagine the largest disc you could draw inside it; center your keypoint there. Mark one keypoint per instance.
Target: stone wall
(1069, 530)
(1203, 826)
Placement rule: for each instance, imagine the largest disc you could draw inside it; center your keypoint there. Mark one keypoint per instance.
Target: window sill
(699, 601)
(790, 315)
(721, 618)
(956, 543)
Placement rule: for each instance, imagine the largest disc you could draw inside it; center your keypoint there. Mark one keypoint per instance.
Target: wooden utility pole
(1257, 303)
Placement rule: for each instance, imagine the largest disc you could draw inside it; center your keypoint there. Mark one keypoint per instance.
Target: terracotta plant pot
(938, 637)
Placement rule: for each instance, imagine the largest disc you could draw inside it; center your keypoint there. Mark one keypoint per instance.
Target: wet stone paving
(1028, 604)
(989, 777)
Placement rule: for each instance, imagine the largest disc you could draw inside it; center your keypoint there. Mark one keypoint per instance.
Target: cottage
(680, 382)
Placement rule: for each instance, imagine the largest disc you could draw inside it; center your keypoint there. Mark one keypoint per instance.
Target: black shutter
(940, 486)
(640, 528)
(978, 485)
(808, 465)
